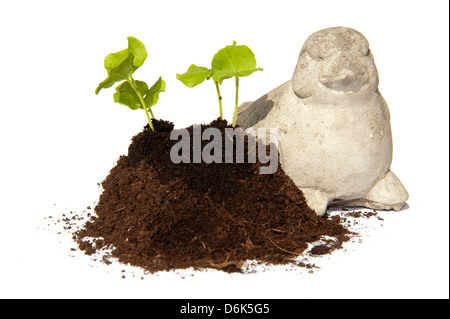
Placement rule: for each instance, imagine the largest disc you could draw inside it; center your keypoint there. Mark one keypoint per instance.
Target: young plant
(232, 61)
(132, 93)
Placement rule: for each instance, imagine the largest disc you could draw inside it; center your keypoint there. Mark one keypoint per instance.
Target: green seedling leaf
(233, 60)
(113, 60)
(118, 73)
(126, 94)
(194, 75)
(152, 95)
(137, 49)
(121, 65)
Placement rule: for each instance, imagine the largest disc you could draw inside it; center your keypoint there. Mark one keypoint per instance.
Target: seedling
(132, 93)
(232, 61)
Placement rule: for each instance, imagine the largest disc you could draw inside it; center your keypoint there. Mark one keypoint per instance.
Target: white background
(58, 139)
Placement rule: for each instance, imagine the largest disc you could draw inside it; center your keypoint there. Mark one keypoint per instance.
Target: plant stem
(237, 100)
(151, 112)
(220, 99)
(144, 106)
(148, 118)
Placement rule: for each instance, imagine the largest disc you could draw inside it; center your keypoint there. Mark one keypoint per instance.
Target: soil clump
(163, 216)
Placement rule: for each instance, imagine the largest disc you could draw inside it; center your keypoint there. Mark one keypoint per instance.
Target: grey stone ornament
(333, 125)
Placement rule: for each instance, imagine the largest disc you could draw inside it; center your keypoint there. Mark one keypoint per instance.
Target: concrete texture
(334, 125)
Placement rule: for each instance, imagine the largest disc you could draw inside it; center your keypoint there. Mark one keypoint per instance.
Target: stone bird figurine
(333, 125)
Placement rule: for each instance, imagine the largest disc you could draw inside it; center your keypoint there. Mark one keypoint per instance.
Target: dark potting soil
(162, 216)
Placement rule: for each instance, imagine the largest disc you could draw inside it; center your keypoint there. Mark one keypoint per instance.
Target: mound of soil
(161, 216)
